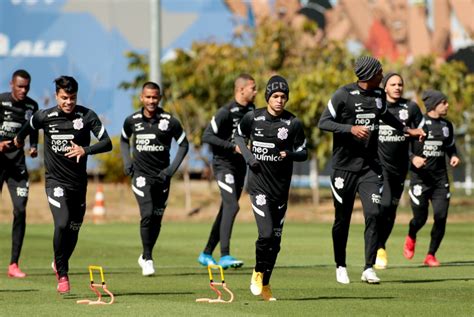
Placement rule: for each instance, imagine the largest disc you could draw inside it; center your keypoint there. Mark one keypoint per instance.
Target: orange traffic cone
(98, 211)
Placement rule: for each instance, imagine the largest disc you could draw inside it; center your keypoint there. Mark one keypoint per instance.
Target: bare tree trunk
(314, 179)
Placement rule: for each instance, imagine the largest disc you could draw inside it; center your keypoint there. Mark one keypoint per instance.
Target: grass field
(303, 281)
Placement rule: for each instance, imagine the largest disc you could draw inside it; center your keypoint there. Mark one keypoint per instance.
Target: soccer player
(16, 109)
(152, 130)
(353, 114)
(429, 175)
(393, 154)
(67, 131)
(276, 139)
(229, 169)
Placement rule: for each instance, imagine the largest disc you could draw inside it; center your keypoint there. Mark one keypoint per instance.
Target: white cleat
(341, 275)
(146, 265)
(370, 277)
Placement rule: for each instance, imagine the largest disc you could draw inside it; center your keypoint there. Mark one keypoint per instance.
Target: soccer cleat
(381, 260)
(409, 248)
(370, 277)
(14, 271)
(256, 286)
(147, 266)
(267, 294)
(431, 261)
(341, 275)
(63, 285)
(206, 259)
(229, 261)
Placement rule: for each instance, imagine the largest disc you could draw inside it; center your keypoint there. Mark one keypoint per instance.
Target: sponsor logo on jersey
(234, 109)
(261, 200)
(260, 118)
(139, 127)
(137, 116)
(282, 133)
(388, 134)
(433, 148)
(143, 142)
(165, 115)
(53, 114)
(355, 92)
(288, 122)
(261, 152)
(163, 125)
(60, 143)
(78, 124)
(7, 103)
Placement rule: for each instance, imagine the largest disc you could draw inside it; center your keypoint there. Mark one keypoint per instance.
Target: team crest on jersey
(445, 132)
(78, 123)
(403, 114)
(378, 103)
(28, 114)
(282, 133)
(163, 125)
(229, 178)
(417, 189)
(58, 192)
(261, 200)
(339, 182)
(140, 181)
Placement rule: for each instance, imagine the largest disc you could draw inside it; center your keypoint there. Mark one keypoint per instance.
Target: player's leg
(419, 200)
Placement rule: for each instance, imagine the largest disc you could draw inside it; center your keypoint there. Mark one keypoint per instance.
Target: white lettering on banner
(27, 48)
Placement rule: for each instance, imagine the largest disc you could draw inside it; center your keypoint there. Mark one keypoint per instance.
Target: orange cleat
(15, 272)
(431, 261)
(63, 285)
(409, 248)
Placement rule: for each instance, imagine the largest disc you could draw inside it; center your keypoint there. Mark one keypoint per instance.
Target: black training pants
(391, 193)
(420, 194)
(230, 184)
(270, 216)
(152, 197)
(17, 182)
(344, 186)
(68, 207)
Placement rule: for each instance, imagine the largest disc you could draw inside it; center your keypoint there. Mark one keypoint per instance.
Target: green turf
(303, 281)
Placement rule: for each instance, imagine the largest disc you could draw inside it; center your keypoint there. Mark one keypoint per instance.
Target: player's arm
(34, 124)
(241, 135)
(451, 150)
(300, 152)
(211, 134)
(125, 147)
(33, 151)
(183, 146)
(104, 143)
(330, 117)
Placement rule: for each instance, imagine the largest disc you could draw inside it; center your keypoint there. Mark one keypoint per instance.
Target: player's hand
(76, 151)
(17, 143)
(454, 161)
(33, 152)
(418, 161)
(283, 154)
(254, 165)
(359, 131)
(416, 133)
(5, 145)
(163, 176)
(237, 149)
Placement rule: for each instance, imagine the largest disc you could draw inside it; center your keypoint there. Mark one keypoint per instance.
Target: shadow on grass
(151, 293)
(18, 290)
(336, 297)
(466, 279)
